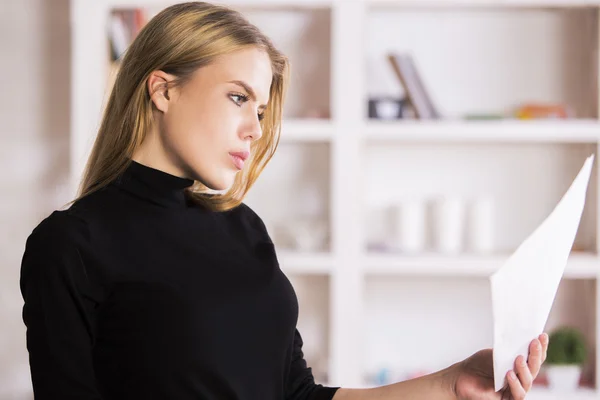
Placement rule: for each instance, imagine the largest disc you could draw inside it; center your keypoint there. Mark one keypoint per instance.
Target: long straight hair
(179, 40)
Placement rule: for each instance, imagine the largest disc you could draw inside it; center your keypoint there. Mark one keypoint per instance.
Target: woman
(158, 282)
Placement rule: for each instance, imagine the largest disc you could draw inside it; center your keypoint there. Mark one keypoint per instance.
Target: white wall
(34, 115)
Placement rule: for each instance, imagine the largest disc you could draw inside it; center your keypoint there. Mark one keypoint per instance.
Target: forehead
(253, 66)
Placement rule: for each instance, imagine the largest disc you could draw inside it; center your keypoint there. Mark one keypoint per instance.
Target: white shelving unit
(579, 266)
(298, 130)
(485, 3)
(309, 263)
(362, 310)
(504, 131)
(545, 394)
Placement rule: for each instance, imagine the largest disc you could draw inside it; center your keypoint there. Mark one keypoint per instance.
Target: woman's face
(205, 127)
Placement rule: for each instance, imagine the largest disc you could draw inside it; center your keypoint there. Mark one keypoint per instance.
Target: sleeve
(301, 383)
(58, 313)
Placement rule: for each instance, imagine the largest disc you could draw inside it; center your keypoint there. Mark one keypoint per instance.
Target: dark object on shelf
(410, 79)
(387, 108)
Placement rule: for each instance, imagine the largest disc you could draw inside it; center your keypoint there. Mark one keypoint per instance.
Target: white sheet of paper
(524, 288)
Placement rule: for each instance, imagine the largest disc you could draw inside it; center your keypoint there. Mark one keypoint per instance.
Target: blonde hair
(179, 40)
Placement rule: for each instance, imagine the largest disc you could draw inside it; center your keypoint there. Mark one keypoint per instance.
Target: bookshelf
(579, 266)
(578, 131)
(364, 309)
(486, 3)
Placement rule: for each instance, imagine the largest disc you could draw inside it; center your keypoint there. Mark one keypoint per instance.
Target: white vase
(563, 377)
(449, 224)
(410, 225)
(481, 221)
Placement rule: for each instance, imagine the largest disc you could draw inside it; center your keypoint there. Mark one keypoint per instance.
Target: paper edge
(588, 164)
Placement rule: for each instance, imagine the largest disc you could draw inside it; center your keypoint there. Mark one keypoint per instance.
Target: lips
(239, 158)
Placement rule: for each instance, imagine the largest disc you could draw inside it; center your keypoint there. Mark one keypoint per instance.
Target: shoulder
(250, 219)
(55, 260)
(60, 229)
(72, 226)
(51, 251)
(247, 213)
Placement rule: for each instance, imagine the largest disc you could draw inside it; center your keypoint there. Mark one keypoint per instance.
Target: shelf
(485, 3)
(306, 130)
(539, 393)
(555, 131)
(579, 266)
(398, 3)
(304, 4)
(305, 263)
(547, 394)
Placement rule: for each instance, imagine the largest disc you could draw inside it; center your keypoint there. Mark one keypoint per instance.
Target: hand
(475, 375)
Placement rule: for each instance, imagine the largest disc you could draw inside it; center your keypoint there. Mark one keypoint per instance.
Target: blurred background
(422, 142)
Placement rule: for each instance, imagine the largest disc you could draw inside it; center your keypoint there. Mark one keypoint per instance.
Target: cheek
(204, 131)
(186, 127)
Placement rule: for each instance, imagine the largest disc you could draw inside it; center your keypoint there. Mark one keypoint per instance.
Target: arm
(470, 379)
(58, 312)
(438, 386)
(301, 383)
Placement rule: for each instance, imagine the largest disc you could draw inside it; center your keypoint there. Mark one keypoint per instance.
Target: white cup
(449, 224)
(481, 224)
(410, 218)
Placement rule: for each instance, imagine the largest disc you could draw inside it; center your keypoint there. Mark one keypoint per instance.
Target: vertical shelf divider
(88, 69)
(347, 80)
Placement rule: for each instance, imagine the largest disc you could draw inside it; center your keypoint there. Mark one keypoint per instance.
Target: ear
(158, 89)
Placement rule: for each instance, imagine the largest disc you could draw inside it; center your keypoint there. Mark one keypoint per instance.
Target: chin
(221, 184)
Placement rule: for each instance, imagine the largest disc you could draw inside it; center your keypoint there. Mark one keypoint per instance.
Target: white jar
(449, 224)
(410, 219)
(481, 225)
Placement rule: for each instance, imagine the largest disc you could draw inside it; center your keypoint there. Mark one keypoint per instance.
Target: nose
(252, 129)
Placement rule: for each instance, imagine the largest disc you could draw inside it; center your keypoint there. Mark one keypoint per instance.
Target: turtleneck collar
(154, 185)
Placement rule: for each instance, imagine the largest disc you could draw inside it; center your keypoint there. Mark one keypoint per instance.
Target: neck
(151, 153)
(154, 185)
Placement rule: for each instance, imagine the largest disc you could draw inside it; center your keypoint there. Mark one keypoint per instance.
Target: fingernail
(512, 375)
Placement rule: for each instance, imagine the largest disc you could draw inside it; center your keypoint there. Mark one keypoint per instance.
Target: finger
(517, 391)
(544, 339)
(523, 373)
(535, 357)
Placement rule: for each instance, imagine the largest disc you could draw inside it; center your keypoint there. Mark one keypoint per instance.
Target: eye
(238, 98)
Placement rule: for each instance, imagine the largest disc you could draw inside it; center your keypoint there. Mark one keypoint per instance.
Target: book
(124, 26)
(405, 70)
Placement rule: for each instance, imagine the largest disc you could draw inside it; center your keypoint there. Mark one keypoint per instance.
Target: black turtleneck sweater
(134, 292)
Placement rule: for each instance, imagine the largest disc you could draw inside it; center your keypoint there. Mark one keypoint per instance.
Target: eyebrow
(248, 89)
